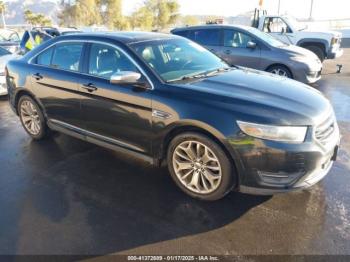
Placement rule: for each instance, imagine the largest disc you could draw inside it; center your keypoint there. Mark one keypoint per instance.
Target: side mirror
(251, 45)
(125, 77)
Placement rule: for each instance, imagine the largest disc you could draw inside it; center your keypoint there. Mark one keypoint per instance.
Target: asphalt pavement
(66, 196)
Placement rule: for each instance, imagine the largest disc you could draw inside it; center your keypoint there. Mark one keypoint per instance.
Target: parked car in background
(57, 31)
(164, 98)
(325, 44)
(5, 56)
(10, 40)
(249, 47)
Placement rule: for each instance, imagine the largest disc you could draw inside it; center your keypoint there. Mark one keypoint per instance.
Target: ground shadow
(83, 199)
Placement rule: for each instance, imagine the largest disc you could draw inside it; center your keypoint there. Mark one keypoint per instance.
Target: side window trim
(85, 42)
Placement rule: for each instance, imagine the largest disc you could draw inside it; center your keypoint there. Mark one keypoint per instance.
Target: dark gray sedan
(249, 47)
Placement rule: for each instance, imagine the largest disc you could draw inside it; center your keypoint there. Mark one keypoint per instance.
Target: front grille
(325, 130)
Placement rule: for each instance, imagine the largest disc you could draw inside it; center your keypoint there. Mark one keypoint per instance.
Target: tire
(280, 70)
(214, 178)
(317, 51)
(30, 112)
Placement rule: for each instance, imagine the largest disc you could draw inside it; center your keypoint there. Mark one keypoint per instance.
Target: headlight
(290, 134)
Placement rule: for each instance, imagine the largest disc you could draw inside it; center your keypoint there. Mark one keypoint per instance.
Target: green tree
(158, 13)
(81, 12)
(2, 11)
(36, 19)
(189, 20)
(142, 19)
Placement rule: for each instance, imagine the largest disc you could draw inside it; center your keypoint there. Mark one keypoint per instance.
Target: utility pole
(279, 7)
(311, 7)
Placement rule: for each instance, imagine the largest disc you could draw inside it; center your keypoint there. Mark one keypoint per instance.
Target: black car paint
(120, 117)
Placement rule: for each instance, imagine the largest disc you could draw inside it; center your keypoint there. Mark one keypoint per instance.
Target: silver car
(248, 47)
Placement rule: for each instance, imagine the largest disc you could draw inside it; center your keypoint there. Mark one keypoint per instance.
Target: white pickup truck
(325, 44)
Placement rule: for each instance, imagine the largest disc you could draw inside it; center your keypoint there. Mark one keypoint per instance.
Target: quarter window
(105, 61)
(67, 56)
(237, 39)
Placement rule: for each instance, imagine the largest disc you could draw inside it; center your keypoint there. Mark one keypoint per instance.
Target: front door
(279, 29)
(236, 51)
(119, 114)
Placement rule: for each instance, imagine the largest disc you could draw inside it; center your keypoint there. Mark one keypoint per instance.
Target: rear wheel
(280, 70)
(317, 51)
(200, 167)
(32, 118)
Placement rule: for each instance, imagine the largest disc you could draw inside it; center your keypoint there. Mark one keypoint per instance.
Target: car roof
(123, 37)
(243, 27)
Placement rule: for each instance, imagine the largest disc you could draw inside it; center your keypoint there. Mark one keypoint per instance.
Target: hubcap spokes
(30, 117)
(197, 167)
(279, 72)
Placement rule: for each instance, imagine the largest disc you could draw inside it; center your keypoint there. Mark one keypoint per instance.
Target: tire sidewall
(43, 130)
(227, 180)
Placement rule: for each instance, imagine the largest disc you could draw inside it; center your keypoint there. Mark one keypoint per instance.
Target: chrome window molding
(30, 61)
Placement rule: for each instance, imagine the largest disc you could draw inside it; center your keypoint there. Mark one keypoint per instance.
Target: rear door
(55, 76)
(235, 49)
(117, 114)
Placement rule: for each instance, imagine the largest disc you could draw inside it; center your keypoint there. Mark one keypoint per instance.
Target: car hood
(258, 96)
(324, 33)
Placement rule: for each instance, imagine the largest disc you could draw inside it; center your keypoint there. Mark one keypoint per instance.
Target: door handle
(227, 52)
(37, 76)
(89, 87)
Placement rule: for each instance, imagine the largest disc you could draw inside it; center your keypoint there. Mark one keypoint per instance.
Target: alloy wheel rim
(197, 167)
(30, 117)
(279, 71)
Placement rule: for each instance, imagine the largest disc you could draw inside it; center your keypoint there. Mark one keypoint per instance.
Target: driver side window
(275, 25)
(105, 60)
(236, 39)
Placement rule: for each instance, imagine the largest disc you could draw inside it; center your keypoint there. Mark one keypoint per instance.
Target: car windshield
(266, 38)
(178, 59)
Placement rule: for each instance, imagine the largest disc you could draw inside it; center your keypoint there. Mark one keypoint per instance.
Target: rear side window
(45, 57)
(206, 36)
(67, 56)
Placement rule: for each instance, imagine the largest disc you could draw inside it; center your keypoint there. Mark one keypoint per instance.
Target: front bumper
(335, 52)
(269, 167)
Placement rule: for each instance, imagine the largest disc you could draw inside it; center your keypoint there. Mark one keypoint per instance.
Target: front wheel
(317, 51)
(200, 167)
(280, 70)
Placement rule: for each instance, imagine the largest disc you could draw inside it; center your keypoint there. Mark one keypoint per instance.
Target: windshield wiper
(188, 77)
(201, 75)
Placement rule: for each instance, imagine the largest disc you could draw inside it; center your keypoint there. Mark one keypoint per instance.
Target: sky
(323, 9)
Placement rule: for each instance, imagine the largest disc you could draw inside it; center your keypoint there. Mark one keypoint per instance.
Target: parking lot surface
(65, 196)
